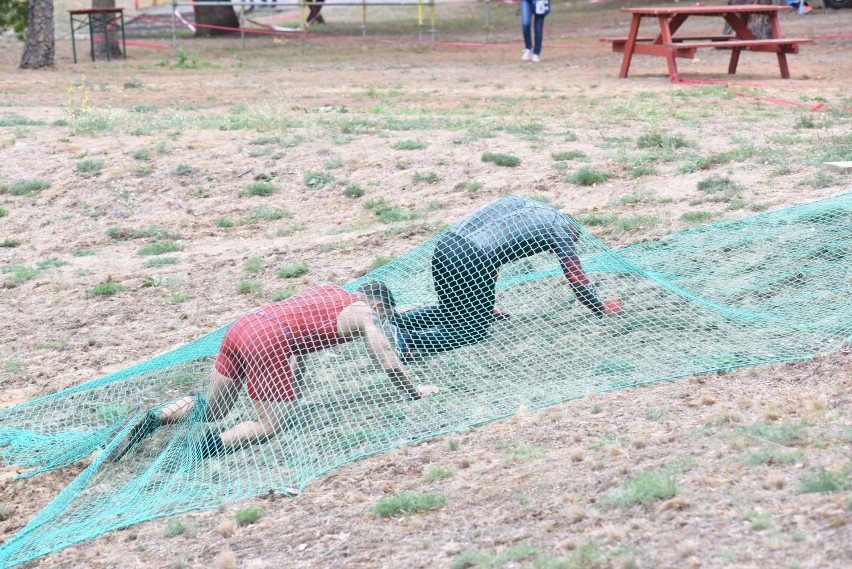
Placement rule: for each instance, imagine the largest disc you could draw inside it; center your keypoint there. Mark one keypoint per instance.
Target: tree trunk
(223, 16)
(106, 41)
(758, 24)
(39, 44)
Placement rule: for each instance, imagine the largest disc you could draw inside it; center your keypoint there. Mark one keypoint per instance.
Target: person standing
(533, 11)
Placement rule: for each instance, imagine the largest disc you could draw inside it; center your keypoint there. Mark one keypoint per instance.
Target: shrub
(506, 160)
(184, 170)
(318, 179)
(175, 528)
(284, 294)
(249, 287)
(586, 176)
(353, 191)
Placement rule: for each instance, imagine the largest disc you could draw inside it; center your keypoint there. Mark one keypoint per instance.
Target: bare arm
(360, 320)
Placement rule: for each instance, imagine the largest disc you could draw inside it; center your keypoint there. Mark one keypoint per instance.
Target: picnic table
(671, 18)
(100, 23)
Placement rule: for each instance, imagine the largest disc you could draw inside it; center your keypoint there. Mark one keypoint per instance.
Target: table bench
(99, 21)
(671, 18)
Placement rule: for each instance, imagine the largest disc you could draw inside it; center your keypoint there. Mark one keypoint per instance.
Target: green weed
(353, 191)
(509, 556)
(637, 197)
(568, 155)
(160, 248)
(772, 456)
(819, 180)
(249, 287)
(822, 480)
(259, 189)
(90, 166)
(661, 141)
(247, 516)
(284, 294)
(453, 444)
(108, 288)
(381, 261)
(410, 145)
(586, 176)
(28, 187)
(316, 180)
(644, 488)
(156, 232)
(225, 222)
(469, 186)
(3, 212)
(142, 154)
(13, 365)
(425, 177)
(759, 520)
(254, 265)
(505, 160)
(293, 270)
(407, 503)
(264, 214)
(437, 473)
(698, 217)
(787, 434)
(184, 170)
(10, 243)
(175, 528)
(160, 261)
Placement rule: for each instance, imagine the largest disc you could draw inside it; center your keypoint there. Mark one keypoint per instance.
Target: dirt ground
(174, 139)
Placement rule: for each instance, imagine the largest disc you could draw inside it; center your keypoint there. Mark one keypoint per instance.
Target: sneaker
(536, 58)
(149, 423)
(526, 55)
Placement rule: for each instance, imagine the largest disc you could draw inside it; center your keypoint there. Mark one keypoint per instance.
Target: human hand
(425, 390)
(612, 307)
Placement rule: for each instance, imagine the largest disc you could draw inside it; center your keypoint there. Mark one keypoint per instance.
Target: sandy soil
(179, 139)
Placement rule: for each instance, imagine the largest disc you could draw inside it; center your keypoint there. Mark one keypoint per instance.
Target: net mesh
(515, 306)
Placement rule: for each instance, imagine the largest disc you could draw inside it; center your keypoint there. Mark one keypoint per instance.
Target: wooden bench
(781, 46)
(619, 43)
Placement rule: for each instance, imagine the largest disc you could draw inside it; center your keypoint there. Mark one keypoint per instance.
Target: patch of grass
(175, 528)
(264, 214)
(586, 176)
(773, 456)
(644, 488)
(453, 444)
(643, 170)
(759, 520)
(635, 222)
(225, 222)
(10, 243)
(291, 229)
(637, 197)
(28, 187)
(20, 274)
(160, 248)
(3, 212)
(410, 145)
(469, 186)
(437, 473)
(698, 217)
(293, 270)
(316, 180)
(505, 160)
(160, 261)
(822, 480)
(13, 365)
(425, 177)
(594, 218)
(406, 503)
(50, 264)
(284, 294)
(353, 191)
(84, 252)
(661, 141)
(259, 189)
(491, 559)
(819, 180)
(184, 170)
(249, 287)
(524, 453)
(786, 434)
(155, 232)
(18, 120)
(254, 265)
(90, 166)
(107, 288)
(721, 187)
(568, 155)
(5, 512)
(142, 154)
(247, 516)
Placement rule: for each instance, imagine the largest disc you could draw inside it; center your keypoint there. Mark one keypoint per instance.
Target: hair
(377, 290)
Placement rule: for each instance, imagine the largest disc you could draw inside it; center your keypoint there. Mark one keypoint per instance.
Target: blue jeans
(526, 26)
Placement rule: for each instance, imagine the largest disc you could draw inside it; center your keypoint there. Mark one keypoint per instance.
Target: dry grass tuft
(227, 560)
(227, 527)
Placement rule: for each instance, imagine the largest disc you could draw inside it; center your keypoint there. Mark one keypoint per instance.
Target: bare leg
(272, 417)
(223, 393)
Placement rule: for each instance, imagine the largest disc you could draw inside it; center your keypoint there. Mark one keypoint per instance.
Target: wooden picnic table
(671, 18)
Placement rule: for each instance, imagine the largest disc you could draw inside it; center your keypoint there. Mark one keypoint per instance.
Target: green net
(515, 306)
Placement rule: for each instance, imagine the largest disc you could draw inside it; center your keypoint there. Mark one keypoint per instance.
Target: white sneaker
(526, 55)
(535, 58)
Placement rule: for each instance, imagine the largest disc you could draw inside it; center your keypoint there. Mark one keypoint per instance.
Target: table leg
(123, 39)
(630, 45)
(91, 37)
(73, 44)
(735, 58)
(775, 25)
(666, 36)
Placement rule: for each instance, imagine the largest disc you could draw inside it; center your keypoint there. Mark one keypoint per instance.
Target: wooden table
(671, 18)
(100, 22)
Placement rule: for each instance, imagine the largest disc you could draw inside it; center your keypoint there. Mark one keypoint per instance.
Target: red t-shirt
(258, 346)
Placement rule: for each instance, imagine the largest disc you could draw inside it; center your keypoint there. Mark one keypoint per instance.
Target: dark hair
(379, 291)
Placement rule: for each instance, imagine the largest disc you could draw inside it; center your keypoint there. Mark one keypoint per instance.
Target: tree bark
(39, 46)
(106, 41)
(223, 16)
(758, 24)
